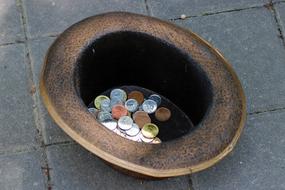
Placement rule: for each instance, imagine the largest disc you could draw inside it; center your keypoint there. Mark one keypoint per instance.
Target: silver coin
(93, 111)
(105, 105)
(125, 123)
(134, 138)
(110, 124)
(104, 115)
(115, 101)
(155, 98)
(144, 139)
(119, 132)
(118, 93)
(133, 131)
(149, 106)
(131, 105)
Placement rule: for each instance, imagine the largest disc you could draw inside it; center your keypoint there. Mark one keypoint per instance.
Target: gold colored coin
(156, 140)
(98, 100)
(149, 130)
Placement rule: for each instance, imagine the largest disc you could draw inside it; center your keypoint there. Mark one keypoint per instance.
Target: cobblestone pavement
(36, 154)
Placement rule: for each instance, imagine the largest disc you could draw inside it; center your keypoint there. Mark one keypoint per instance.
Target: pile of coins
(128, 114)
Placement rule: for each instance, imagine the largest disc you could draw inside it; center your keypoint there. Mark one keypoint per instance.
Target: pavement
(36, 154)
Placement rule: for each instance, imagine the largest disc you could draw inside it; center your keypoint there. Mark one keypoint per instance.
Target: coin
(149, 106)
(119, 93)
(136, 138)
(93, 111)
(155, 98)
(119, 111)
(156, 140)
(150, 130)
(119, 132)
(109, 123)
(104, 115)
(144, 139)
(141, 118)
(137, 95)
(133, 131)
(125, 123)
(131, 105)
(115, 101)
(105, 105)
(98, 100)
(162, 114)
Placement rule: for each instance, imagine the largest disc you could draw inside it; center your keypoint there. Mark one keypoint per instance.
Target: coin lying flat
(119, 111)
(141, 118)
(155, 98)
(149, 106)
(103, 115)
(131, 105)
(133, 131)
(162, 114)
(137, 95)
(105, 105)
(93, 111)
(115, 101)
(150, 130)
(118, 93)
(110, 124)
(98, 100)
(125, 123)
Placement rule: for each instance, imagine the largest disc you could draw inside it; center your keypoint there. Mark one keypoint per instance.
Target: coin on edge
(137, 95)
(119, 111)
(125, 122)
(156, 140)
(150, 130)
(141, 118)
(149, 106)
(98, 100)
(162, 114)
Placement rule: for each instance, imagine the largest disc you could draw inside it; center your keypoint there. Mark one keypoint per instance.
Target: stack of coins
(128, 114)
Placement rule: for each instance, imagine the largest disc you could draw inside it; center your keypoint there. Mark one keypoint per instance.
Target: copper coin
(162, 114)
(137, 95)
(119, 111)
(141, 118)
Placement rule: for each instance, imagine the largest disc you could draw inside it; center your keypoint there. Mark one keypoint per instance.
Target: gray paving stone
(258, 161)
(10, 23)
(21, 171)
(51, 132)
(173, 9)
(249, 40)
(16, 106)
(46, 17)
(280, 9)
(75, 168)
